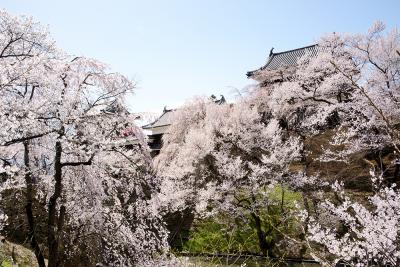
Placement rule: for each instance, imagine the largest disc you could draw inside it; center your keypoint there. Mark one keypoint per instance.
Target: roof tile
(287, 58)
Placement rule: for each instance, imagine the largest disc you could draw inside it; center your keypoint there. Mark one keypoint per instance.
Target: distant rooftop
(286, 59)
(164, 120)
(167, 117)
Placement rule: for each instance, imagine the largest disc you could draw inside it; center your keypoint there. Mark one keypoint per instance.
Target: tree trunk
(396, 175)
(29, 208)
(304, 248)
(178, 225)
(265, 247)
(53, 233)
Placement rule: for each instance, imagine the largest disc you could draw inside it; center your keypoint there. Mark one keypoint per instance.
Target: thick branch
(78, 163)
(372, 103)
(29, 208)
(26, 138)
(52, 238)
(8, 45)
(317, 100)
(17, 55)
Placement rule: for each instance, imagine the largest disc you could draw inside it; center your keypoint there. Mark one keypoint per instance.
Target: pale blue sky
(178, 49)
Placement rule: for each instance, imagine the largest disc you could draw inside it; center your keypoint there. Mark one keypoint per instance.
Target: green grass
(212, 236)
(23, 256)
(6, 263)
(226, 234)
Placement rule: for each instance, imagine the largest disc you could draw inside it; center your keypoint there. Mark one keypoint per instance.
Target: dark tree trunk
(54, 230)
(396, 175)
(303, 249)
(29, 208)
(265, 247)
(179, 224)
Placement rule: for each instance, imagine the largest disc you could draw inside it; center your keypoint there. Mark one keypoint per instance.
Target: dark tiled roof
(164, 120)
(168, 115)
(287, 58)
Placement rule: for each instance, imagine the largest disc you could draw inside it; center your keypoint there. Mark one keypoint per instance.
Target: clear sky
(176, 49)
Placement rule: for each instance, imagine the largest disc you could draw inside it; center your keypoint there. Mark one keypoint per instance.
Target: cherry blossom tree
(352, 90)
(67, 137)
(227, 158)
(372, 70)
(367, 233)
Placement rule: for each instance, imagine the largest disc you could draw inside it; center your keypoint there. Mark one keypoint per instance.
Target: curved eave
(149, 127)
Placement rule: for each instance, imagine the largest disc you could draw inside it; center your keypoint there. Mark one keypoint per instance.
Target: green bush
(225, 234)
(221, 235)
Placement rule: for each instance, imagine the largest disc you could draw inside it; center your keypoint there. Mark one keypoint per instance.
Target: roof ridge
(286, 58)
(308, 46)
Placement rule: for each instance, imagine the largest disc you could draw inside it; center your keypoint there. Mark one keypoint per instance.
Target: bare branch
(79, 163)
(26, 138)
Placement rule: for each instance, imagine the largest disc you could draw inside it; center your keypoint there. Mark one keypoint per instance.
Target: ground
(22, 256)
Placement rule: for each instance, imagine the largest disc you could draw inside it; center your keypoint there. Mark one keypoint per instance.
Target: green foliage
(6, 263)
(290, 197)
(214, 236)
(226, 234)
(22, 256)
(4, 258)
(277, 217)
